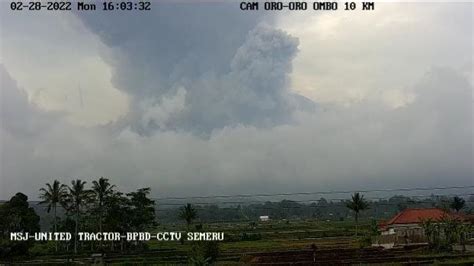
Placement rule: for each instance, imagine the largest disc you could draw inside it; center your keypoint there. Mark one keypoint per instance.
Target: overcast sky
(203, 99)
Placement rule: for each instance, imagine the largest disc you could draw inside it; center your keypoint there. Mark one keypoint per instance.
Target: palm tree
(77, 197)
(101, 189)
(357, 204)
(188, 213)
(53, 195)
(457, 203)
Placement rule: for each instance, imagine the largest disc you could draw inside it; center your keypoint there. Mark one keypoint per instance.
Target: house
(406, 227)
(264, 218)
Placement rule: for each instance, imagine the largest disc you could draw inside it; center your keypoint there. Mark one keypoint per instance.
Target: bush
(365, 241)
(250, 237)
(42, 248)
(204, 253)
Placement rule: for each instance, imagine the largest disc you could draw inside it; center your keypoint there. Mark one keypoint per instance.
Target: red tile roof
(411, 216)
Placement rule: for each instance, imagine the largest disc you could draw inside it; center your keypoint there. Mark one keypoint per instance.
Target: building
(406, 227)
(264, 218)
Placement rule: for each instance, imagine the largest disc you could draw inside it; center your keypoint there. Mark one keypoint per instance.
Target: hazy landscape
(308, 137)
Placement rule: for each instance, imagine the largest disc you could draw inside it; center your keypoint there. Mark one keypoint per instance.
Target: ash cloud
(224, 67)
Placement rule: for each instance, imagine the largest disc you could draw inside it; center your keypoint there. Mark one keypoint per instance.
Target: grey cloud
(232, 70)
(426, 143)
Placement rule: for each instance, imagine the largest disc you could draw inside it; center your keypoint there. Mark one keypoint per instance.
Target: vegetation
(54, 195)
(457, 203)
(442, 235)
(76, 199)
(16, 216)
(357, 204)
(142, 209)
(292, 225)
(102, 191)
(188, 213)
(204, 253)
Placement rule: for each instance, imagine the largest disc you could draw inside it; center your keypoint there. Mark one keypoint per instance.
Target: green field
(244, 240)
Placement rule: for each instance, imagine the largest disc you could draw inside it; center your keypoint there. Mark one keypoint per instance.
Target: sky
(204, 99)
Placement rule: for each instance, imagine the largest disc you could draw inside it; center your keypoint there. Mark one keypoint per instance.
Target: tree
(142, 209)
(188, 213)
(52, 195)
(118, 218)
(457, 203)
(17, 216)
(101, 190)
(76, 199)
(357, 204)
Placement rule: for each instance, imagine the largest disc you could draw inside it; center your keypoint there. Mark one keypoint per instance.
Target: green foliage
(42, 248)
(457, 203)
(365, 241)
(17, 216)
(85, 209)
(54, 195)
(102, 190)
(198, 261)
(204, 253)
(250, 236)
(374, 228)
(188, 213)
(442, 235)
(142, 209)
(118, 213)
(357, 204)
(76, 199)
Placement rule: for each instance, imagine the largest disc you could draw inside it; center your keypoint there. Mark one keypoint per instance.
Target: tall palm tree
(101, 190)
(77, 198)
(357, 204)
(188, 213)
(53, 195)
(457, 203)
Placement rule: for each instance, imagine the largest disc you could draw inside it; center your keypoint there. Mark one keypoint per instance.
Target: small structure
(406, 227)
(264, 218)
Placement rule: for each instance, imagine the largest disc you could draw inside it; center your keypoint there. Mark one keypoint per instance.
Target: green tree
(142, 209)
(457, 203)
(17, 216)
(118, 217)
(76, 199)
(101, 190)
(188, 213)
(357, 204)
(53, 195)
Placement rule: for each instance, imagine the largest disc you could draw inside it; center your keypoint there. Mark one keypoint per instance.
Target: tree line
(321, 209)
(100, 208)
(103, 208)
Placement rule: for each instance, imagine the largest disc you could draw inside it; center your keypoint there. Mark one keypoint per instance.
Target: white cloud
(58, 62)
(348, 57)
